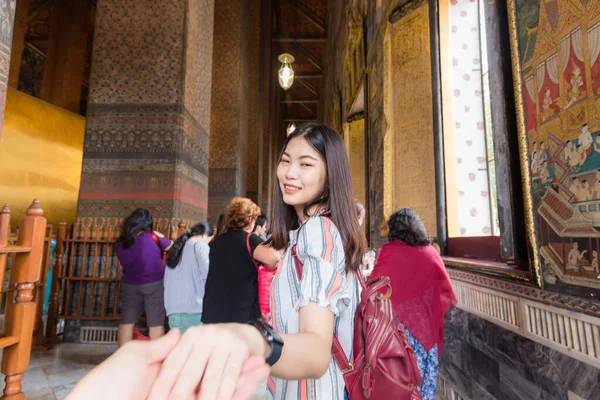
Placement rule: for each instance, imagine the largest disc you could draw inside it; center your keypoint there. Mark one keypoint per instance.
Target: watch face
(270, 334)
(276, 337)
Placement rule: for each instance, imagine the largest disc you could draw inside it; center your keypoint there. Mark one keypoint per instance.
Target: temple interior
(481, 115)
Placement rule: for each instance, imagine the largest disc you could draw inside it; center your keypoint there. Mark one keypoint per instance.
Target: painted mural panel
(559, 48)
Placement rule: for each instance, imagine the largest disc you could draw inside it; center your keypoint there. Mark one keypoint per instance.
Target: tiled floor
(53, 373)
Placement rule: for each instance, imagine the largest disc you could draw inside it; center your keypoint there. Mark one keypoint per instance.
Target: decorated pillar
(230, 108)
(256, 17)
(7, 14)
(148, 120)
(18, 41)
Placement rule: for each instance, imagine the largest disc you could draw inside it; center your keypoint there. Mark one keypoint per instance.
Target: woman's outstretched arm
(306, 354)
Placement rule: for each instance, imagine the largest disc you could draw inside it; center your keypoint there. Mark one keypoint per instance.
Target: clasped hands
(208, 362)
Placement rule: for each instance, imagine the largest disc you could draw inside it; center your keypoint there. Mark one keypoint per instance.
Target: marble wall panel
(484, 360)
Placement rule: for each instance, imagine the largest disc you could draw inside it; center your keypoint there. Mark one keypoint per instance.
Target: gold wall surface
(356, 152)
(40, 157)
(412, 121)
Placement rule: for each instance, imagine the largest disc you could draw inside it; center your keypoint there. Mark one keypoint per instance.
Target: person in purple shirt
(139, 250)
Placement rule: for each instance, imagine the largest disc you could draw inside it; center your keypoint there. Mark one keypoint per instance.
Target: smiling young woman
(314, 219)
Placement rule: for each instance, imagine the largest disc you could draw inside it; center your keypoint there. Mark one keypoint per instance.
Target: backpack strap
(340, 356)
(156, 240)
(250, 250)
(297, 263)
(336, 347)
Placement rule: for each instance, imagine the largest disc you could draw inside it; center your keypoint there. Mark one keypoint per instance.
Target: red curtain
(530, 117)
(554, 93)
(596, 75)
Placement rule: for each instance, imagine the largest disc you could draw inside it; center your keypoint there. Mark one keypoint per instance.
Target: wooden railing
(39, 339)
(86, 277)
(19, 320)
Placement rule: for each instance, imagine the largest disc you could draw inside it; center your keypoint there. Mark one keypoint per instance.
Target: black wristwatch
(272, 337)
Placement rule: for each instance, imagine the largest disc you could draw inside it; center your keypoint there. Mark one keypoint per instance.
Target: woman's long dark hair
(139, 221)
(175, 252)
(406, 226)
(221, 228)
(337, 196)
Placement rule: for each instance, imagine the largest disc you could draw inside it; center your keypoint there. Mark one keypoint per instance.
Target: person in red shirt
(422, 292)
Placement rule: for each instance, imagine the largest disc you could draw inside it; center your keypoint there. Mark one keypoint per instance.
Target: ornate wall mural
(559, 49)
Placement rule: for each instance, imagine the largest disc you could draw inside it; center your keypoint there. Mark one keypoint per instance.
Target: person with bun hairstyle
(185, 277)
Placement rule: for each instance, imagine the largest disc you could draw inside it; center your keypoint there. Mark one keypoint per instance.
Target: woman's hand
(228, 359)
(267, 255)
(133, 371)
(129, 373)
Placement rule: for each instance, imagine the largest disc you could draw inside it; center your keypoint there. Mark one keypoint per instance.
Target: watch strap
(271, 337)
(276, 350)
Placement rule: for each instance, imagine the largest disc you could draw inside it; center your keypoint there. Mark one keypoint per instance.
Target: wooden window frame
(505, 254)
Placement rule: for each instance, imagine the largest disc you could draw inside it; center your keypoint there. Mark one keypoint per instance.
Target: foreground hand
(129, 373)
(213, 362)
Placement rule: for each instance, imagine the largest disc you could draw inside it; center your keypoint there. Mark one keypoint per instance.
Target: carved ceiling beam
(309, 14)
(309, 109)
(308, 86)
(311, 58)
(303, 39)
(300, 101)
(308, 75)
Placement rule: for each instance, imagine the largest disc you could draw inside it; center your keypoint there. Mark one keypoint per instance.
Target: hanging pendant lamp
(286, 73)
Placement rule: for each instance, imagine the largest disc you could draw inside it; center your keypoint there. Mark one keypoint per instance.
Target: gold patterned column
(7, 14)
(230, 105)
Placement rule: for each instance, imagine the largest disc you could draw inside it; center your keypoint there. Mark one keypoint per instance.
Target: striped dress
(324, 281)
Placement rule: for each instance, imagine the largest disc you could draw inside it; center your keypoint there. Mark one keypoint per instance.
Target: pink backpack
(265, 277)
